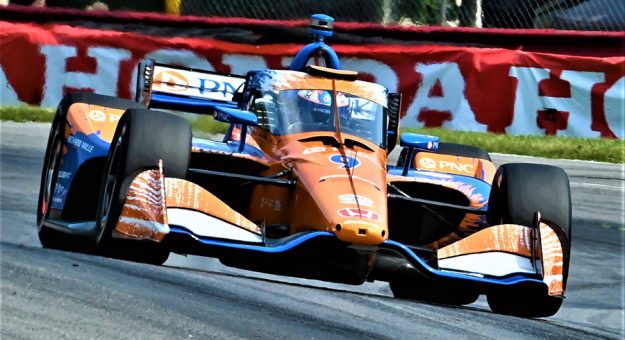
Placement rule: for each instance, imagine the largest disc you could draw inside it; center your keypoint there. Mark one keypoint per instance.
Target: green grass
(599, 149)
(595, 149)
(26, 113)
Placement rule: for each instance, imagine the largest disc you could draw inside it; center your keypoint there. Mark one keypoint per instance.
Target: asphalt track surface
(48, 294)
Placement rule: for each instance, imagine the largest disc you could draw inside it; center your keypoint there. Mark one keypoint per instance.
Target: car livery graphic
(300, 186)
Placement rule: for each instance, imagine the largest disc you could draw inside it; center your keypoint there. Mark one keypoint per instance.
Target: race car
(301, 186)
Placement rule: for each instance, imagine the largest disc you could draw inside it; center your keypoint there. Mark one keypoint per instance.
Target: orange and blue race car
(301, 186)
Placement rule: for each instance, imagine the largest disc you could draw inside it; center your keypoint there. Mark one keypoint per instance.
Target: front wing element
(155, 203)
(508, 249)
(186, 217)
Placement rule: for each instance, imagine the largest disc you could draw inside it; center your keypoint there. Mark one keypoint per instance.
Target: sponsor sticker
(171, 80)
(452, 164)
(352, 199)
(271, 204)
(362, 213)
(64, 174)
(315, 149)
(79, 143)
(346, 162)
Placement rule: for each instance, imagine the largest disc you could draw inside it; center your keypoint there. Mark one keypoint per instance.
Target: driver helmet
(317, 105)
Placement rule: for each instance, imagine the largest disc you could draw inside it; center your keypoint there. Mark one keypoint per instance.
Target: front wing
(189, 219)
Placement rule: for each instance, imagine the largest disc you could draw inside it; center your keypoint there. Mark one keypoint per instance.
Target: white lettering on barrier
(614, 107)
(7, 94)
(103, 81)
(528, 101)
(453, 99)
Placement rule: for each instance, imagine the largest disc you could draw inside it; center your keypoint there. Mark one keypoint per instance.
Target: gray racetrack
(51, 294)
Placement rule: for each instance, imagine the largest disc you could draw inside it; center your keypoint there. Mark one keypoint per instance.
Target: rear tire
(518, 191)
(142, 138)
(51, 238)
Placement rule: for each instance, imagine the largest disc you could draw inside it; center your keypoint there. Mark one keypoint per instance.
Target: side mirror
(394, 108)
(236, 116)
(421, 142)
(413, 142)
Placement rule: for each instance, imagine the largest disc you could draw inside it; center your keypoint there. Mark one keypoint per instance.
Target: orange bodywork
(329, 196)
(93, 119)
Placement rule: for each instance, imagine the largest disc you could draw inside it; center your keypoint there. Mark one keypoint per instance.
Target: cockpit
(290, 102)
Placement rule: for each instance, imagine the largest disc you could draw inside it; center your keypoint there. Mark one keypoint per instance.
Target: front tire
(518, 191)
(48, 237)
(142, 139)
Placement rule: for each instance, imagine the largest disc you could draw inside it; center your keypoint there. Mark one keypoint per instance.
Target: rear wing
(185, 89)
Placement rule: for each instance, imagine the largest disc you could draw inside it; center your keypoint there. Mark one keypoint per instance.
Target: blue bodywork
(80, 149)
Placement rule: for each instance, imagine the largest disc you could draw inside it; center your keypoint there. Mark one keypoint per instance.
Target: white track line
(594, 185)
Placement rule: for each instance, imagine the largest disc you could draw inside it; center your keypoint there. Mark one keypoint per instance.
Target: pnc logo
(171, 81)
(427, 163)
(455, 167)
(101, 116)
(97, 115)
(346, 162)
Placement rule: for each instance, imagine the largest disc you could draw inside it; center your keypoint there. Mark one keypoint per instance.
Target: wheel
(518, 191)
(454, 149)
(52, 161)
(411, 290)
(142, 138)
(521, 189)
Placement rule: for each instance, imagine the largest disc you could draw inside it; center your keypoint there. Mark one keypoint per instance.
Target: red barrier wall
(469, 88)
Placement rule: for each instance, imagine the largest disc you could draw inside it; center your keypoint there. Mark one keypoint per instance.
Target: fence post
(443, 18)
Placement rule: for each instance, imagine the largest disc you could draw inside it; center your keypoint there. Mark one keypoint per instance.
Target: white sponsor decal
(196, 84)
(315, 149)
(270, 204)
(64, 174)
(351, 199)
(80, 143)
(431, 164)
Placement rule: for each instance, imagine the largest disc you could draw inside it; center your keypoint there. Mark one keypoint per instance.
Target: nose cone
(343, 191)
(354, 206)
(364, 227)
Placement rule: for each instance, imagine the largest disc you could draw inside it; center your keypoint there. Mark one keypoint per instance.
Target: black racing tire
(50, 238)
(463, 150)
(453, 149)
(142, 138)
(434, 293)
(518, 191)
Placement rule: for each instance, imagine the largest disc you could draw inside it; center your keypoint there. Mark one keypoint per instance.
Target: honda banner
(455, 87)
